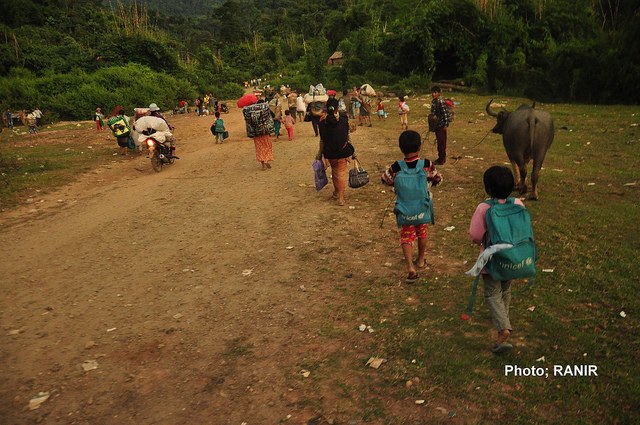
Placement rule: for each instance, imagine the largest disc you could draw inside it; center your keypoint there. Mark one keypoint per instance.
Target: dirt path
(202, 292)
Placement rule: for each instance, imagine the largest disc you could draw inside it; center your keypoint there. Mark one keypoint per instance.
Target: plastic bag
(320, 175)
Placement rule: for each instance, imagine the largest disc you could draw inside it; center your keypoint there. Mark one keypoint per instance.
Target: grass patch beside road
(30, 164)
(587, 227)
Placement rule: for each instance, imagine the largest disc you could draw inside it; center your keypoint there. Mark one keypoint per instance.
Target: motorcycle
(224, 108)
(159, 153)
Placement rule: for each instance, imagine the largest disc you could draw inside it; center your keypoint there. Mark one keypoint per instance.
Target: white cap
(153, 107)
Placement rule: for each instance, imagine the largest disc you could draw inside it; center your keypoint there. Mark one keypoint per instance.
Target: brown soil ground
(202, 292)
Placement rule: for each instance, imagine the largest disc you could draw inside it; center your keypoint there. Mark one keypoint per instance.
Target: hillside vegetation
(70, 56)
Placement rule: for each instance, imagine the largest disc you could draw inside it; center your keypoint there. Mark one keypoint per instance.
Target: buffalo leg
(516, 172)
(535, 173)
(520, 173)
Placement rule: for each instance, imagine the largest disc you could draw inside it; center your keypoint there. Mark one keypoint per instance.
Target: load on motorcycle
(155, 133)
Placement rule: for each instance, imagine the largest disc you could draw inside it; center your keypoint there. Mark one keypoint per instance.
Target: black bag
(433, 122)
(307, 117)
(358, 176)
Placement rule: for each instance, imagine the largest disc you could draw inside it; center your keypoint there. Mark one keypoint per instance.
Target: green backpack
(510, 223)
(119, 126)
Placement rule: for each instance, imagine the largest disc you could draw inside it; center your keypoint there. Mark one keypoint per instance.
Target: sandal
(501, 348)
(411, 278)
(415, 263)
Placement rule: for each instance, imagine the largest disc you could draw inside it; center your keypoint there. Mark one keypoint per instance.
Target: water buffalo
(526, 133)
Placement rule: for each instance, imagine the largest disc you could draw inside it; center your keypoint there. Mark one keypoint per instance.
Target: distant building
(336, 58)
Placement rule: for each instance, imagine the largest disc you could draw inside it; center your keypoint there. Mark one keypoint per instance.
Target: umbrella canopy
(246, 100)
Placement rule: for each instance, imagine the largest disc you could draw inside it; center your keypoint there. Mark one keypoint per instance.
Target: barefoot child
(403, 112)
(498, 183)
(410, 178)
(288, 123)
(380, 110)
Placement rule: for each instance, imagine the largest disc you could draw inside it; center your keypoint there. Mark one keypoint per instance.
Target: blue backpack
(510, 223)
(413, 200)
(219, 126)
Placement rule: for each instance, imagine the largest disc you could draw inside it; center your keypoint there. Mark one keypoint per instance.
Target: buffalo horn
(489, 110)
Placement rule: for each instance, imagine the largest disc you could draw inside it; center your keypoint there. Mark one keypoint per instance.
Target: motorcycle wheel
(171, 160)
(156, 163)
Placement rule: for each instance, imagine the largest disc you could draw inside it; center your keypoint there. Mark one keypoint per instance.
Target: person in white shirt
(301, 108)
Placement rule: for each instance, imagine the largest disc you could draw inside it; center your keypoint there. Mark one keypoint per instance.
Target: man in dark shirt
(441, 111)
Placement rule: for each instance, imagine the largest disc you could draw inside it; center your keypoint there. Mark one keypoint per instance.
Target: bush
(18, 90)
(76, 95)
(229, 91)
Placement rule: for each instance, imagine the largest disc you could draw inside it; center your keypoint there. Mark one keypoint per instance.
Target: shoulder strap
(404, 167)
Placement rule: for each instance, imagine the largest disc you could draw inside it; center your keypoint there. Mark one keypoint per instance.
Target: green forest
(69, 56)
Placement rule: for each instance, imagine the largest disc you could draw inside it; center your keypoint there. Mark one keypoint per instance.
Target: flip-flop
(501, 348)
(415, 263)
(411, 278)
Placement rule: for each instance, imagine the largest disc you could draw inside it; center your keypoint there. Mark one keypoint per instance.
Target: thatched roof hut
(336, 58)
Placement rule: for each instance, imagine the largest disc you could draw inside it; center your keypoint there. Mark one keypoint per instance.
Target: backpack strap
(528, 286)
(404, 167)
(474, 292)
(494, 201)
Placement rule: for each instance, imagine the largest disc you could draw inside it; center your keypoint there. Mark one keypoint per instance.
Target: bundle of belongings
(316, 99)
(367, 90)
(140, 112)
(284, 89)
(278, 104)
(258, 120)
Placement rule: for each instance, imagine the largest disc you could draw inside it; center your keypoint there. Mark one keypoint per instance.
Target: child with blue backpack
(414, 208)
(218, 129)
(506, 220)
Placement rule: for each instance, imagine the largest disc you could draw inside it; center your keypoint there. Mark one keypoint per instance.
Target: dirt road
(202, 293)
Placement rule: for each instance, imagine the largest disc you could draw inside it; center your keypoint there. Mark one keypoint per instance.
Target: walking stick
(385, 213)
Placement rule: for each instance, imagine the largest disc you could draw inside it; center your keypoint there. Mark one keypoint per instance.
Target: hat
(153, 107)
(331, 92)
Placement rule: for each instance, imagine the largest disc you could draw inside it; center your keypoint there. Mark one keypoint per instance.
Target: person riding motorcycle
(157, 125)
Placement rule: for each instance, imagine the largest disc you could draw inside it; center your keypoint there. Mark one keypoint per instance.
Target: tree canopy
(560, 50)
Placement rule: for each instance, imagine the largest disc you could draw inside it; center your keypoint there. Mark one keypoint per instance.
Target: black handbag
(358, 176)
(432, 120)
(307, 117)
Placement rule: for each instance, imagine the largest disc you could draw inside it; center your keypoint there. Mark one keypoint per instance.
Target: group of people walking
(410, 177)
(332, 125)
(30, 118)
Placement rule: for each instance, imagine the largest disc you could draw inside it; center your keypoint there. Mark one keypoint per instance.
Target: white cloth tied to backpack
(485, 257)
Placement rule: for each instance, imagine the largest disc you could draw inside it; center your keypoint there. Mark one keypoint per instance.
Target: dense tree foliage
(568, 50)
